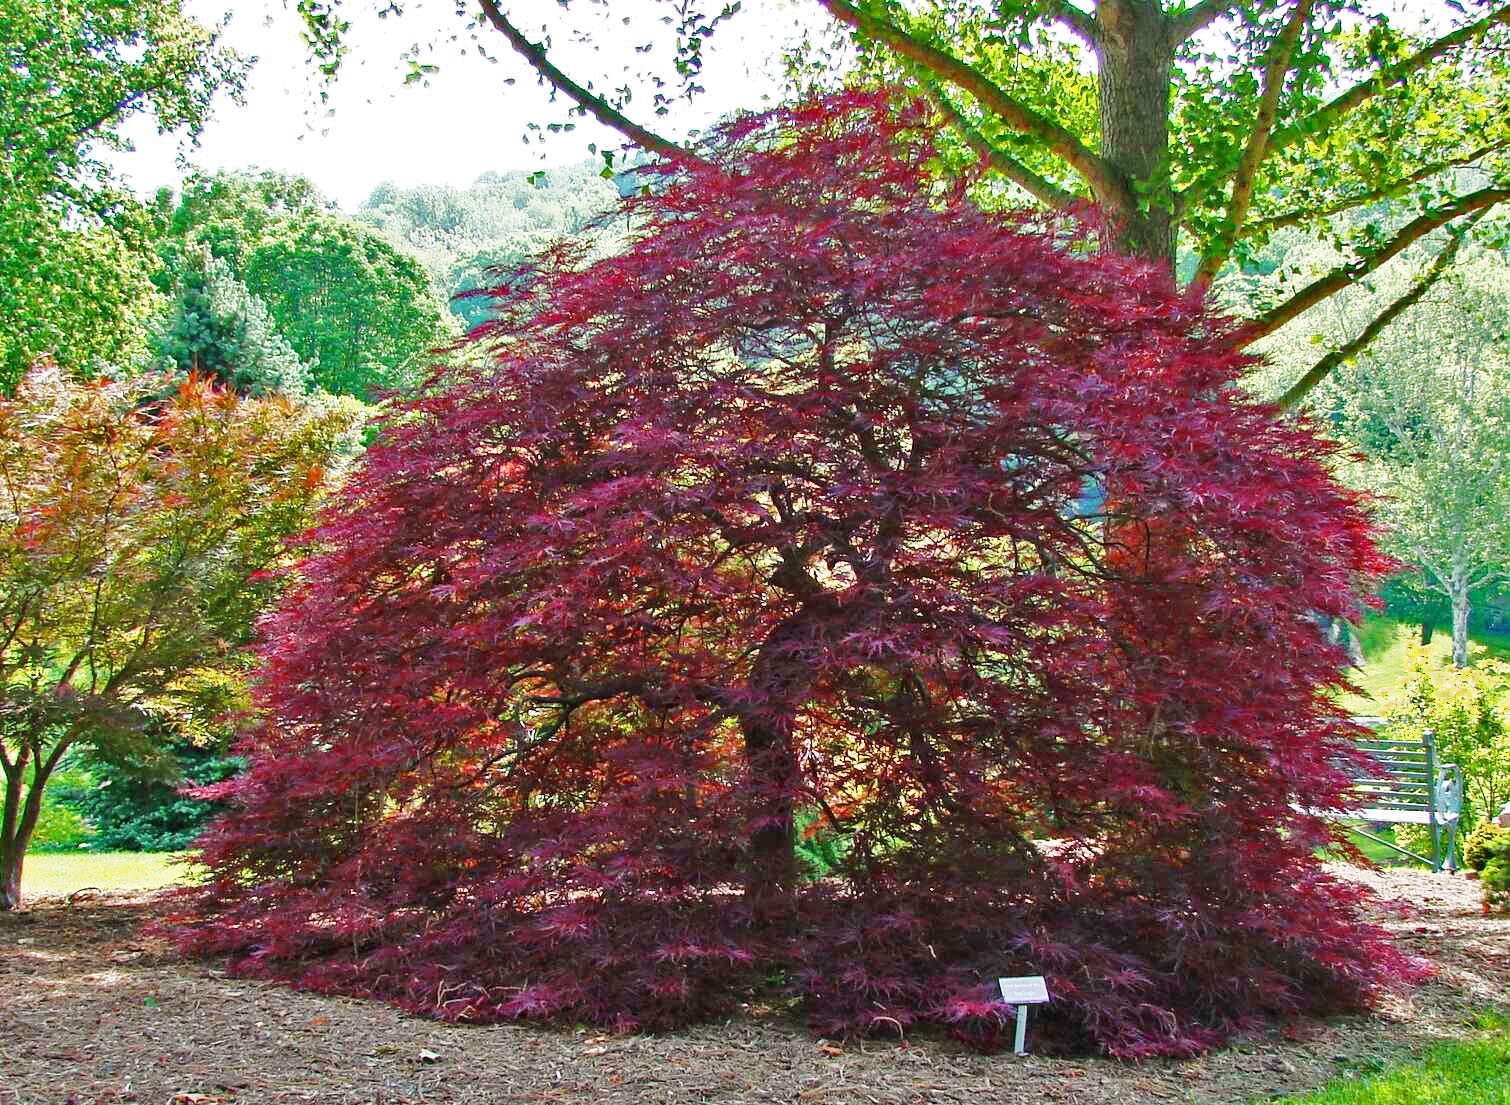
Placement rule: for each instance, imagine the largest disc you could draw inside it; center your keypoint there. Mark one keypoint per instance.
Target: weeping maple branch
(1340, 277)
(1096, 171)
(1275, 68)
(595, 105)
(1330, 112)
(1324, 367)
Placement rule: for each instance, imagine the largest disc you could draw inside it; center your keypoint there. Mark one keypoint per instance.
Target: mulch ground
(93, 1012)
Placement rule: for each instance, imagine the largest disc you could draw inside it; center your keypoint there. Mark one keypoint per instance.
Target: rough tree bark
(1458, 593)
(1135, 48)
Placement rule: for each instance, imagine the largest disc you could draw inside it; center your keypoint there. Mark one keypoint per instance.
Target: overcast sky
(466, 122)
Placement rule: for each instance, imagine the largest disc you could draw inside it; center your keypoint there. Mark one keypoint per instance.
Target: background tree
(1428, 406)
(74, 270)
(134, 548)
(462, 236)
(359, 313)
(778, 512)
(1214, 123)
(219, 329)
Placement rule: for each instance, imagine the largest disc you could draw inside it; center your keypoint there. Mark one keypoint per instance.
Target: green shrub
(1476, 844)
(820, 847)
(140, 808)
(1468, 710)
(1496, 876)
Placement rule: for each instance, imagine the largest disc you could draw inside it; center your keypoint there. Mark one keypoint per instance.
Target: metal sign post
(1021, 992)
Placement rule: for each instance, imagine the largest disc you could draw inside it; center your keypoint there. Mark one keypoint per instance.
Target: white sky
(466, 122)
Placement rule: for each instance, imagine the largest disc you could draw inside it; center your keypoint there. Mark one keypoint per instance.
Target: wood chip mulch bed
(93, 1012)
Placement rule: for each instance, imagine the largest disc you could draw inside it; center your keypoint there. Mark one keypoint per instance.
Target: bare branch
(1344, 275)
(1097, 172)
(596, 106)
(1275, 68)
(1363, 91)
(1037, 186)
(1324, 367)
(1383, 191)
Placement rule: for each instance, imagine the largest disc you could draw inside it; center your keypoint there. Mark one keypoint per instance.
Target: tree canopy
(829, 498)
(1204, 125)
(136, 532)
(358, 312)
(75, 267)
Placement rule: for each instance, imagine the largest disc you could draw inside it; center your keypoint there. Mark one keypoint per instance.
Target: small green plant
(820, 847)
(1496, 876)
(1476, 844)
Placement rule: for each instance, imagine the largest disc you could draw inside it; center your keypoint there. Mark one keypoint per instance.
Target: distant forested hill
(458, 233)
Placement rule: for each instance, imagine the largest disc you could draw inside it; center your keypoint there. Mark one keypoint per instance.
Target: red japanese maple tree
(829, 498)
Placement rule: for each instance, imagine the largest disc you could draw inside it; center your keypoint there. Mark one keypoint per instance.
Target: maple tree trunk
(778, 680)
(773, 858)
(1136, 55)
(20, 821)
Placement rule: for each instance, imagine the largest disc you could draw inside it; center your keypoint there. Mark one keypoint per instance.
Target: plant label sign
(1023, 991)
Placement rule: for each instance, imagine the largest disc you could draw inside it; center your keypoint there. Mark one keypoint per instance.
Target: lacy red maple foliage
(827, 493)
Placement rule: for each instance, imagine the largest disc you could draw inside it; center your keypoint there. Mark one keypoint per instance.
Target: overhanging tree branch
(1324, 367)
(595, 105)
(1199, 16)
(1324, 116)
(1082, 23)
(1383, 191)
(1035, 185)
(1275, 68)
(1344, 275)
(1098, 173)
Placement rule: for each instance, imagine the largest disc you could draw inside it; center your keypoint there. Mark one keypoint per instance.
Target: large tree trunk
(1136, 62)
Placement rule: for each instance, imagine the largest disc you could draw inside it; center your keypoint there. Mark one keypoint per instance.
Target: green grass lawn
(66, 872)
(1473, 1071)
(1384, 642)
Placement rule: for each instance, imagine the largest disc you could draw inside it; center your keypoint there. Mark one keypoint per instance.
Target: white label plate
(1024, 990)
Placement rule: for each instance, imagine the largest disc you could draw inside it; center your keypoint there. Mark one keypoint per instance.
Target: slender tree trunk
(16, 829)
(1459, 625)
(1136, 63)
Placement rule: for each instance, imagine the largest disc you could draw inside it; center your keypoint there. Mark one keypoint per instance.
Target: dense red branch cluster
(826, 495)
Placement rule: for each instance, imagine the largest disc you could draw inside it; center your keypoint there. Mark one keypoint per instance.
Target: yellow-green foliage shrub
(1468, 711)
(1476, 844)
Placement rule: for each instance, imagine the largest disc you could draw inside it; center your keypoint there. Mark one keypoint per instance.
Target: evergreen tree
(219, 329)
